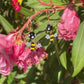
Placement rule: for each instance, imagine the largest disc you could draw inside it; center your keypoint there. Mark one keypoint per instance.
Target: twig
(40, 11)
(24, 20)
(51, 1)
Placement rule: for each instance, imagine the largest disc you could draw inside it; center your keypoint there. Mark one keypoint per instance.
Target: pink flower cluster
(13, 51)
(16, 5)
(69, 24)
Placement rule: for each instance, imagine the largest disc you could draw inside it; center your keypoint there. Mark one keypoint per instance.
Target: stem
(51, 1)
(24, 20)
(29, 20)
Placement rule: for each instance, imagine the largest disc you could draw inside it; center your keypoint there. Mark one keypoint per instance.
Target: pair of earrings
(32, 35)
(50, 35)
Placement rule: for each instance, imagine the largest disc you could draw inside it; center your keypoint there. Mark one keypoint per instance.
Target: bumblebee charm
(51, 37)
(33, 45)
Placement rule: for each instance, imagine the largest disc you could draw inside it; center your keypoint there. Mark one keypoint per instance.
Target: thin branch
(24, 20)
(29, 20)
(40, 11)
(51, 1)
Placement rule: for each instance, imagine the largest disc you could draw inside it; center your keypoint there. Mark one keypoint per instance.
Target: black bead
(32, 35)
(49, 27)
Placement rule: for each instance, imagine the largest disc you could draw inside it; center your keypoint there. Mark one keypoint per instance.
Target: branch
(40, 11)
(29, 20)
(51, 1)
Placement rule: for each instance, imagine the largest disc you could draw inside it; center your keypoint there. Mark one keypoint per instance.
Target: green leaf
(2, 79)
(26, 11)
(7, 26)
(22, 82)
(39, 36)
(78, 51)
(20, 76)
(63, 60)
(11, 78)
(34, 4)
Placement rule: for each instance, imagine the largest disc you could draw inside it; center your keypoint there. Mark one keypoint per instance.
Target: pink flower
(16, 5)
(22, 59)
(13, 51)
(41, 53)
(14, 2)
(27, 58)
(69, 24)
(32, 58)
(7, 58)
(17, 8)
(19, 47)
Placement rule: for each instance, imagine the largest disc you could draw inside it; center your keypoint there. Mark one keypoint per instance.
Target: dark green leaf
(7, 26)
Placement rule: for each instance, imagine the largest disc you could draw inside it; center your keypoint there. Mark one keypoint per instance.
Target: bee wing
(47, 37)
(38, 45)
(55, 35)
(28, 44)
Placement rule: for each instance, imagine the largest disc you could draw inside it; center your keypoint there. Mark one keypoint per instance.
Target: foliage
(61, 66)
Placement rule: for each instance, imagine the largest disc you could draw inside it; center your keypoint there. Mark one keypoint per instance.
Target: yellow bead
(20, 1)
(32, 48)
(33, 45)
(51, 39)
(52, 35)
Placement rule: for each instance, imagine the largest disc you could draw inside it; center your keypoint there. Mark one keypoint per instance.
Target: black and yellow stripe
(32, 46)
(51, 38)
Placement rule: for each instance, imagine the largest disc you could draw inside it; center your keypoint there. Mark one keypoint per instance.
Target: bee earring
(31, 44)
(50, 35)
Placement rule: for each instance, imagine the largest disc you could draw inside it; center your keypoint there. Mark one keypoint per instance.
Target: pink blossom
(7, 58)
(16, 5)
(13, 51)
(14, 2)
(69, 24)
(32, 58)
(19, 47)
(41, 53)
(27, 58)
(23, 58)
(17, 8)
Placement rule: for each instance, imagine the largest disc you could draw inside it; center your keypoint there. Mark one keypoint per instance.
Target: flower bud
(69, 24)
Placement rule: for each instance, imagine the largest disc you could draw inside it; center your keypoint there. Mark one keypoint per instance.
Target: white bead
(28, 44)
(55, 35)
(47, 37)
(39, 45)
